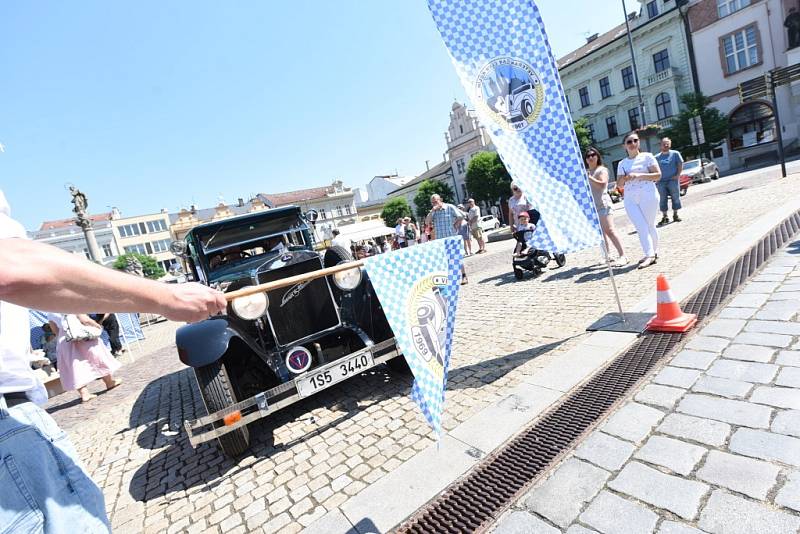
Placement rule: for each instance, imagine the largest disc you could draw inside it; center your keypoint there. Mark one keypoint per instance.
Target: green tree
(715, 126)
(150, 266)
(583, 133)
(394, 209)
(488, 178)
(422, 200)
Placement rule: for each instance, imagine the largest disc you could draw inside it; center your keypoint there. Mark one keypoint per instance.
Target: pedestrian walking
(411, 232)
(446, 221)
(463, 231)
(50, 490)
(474, 219)
(400, 234)
(637, 174)
(598, 179)
(81, 361)
(111, 326)
(671, 164)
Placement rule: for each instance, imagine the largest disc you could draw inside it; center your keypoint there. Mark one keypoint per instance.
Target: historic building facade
(600, 85)
(145, 234)
(67, 235)
(738, 40)
(465, 137)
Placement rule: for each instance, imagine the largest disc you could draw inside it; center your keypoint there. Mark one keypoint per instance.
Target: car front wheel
(217, 391)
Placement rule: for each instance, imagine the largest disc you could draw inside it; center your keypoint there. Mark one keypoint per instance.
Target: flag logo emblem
(510, 92)
(427, 320)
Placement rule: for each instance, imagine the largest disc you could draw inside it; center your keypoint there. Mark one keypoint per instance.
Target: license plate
(333, 373)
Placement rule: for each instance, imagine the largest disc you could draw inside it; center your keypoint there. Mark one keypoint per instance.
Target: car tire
(518, 274)
(335, 255)
(217, 392)
(683, 191)
(399, 365)
(716, 176)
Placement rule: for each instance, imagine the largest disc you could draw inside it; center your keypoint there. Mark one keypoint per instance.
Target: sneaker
(664, 221)
(675, 218)
(622, 261)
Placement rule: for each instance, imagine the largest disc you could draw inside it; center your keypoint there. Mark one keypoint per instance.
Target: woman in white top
(638, 174)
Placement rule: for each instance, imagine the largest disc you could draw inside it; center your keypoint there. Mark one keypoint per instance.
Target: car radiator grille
(302, 309)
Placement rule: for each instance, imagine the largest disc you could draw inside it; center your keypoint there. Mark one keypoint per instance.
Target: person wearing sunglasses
(516, 205)
(638, 174)
(598, 179)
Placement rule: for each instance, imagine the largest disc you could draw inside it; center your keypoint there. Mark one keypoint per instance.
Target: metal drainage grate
(470, 504)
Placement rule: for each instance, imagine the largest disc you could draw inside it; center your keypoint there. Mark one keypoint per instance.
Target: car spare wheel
(399, 365)
(335, 255)
(218, 394)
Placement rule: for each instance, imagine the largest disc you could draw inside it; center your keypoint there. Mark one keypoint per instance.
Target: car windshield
(237, 232)
(692, 164)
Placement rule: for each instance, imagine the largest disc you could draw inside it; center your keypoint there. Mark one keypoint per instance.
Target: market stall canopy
(365, 230)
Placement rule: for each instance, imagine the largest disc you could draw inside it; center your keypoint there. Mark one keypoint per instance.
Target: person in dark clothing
(111, 326)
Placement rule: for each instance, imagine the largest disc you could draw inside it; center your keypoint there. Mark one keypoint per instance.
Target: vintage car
(271, 349)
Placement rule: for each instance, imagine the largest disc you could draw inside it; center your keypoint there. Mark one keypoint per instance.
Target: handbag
(74, 330)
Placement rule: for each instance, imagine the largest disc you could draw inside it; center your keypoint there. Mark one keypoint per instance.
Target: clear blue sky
(149, 105)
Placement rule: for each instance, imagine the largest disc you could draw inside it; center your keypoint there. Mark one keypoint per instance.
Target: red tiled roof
(63, 223)
(293, 197)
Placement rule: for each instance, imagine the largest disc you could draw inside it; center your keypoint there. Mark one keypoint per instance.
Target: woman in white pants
(638, 174)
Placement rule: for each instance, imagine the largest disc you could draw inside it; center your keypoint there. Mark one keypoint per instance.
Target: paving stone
(761, 373)
(723, 327)
(561, 497)
(633, 422)
(662, 396)
(676, 494)
(709, 344)
(789, 495)
(780, 397)
(787, 422)
(748, 300)
(745, 475)
(751, 353)
(785, 295)
(722, 387)
(737, 313)
(788, 357)
(606, 451)
(698, 429)
(767, 340)
(769, 278)
(523, 523)
(676, 455)
(789, 377)
(673, 527)
(578, 529)
(676, 376)
(725, 410)
(756, 286)
(779, 310)
(773, 327)
(729, 514)
(693, 359)
(611, 514)
(766, 445)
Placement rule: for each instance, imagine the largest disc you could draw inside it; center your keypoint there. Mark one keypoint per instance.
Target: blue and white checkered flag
(418, 290)
(501, 53)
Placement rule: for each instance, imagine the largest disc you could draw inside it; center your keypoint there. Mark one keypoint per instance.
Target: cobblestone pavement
(710, 444)
(310, 458)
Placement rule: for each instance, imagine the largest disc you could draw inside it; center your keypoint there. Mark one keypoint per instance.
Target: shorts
(463, 231)
(477, 232)
(604, 211)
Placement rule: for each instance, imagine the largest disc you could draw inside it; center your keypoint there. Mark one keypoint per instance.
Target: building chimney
(193, 209)
(427, 165)
(240, 202)
(591, 38)
(631, 15)
(163, 210)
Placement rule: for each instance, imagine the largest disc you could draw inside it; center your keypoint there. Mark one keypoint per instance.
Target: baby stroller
(534, 260)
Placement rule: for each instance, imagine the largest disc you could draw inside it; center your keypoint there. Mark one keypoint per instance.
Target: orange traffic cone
(669, 317)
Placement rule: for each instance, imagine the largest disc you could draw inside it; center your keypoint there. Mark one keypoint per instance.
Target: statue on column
(133, 266)
(81, 204)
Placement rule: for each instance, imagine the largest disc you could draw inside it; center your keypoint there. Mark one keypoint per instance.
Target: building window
(611, 126)
(161, 245)
(633, 118)
(752, 124)
(156, 226)
(347, 210)
(322, 213)
(741, 50)
(128, 230)
(627, 77)
(663, 106)
(605, 87)
(726, 7)
(652, 9)
(460, 166)
(590, 127)
(338, 211)
(567, 97)
(584, 93)
(107, 250)
(143, 228)
(138, 249)
(464, 191)
(86, 253)
(661, 60)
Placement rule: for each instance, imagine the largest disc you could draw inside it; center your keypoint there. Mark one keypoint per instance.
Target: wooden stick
(292, 280)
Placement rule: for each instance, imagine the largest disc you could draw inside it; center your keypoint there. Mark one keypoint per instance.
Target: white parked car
(488, 223)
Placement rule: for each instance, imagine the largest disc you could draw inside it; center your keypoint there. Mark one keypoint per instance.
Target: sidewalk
(710, 444)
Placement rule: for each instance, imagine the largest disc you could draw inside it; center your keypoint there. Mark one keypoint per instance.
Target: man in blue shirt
(446, 220)
(671, 164)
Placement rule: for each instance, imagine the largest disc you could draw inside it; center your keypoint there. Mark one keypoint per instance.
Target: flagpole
(613, 282)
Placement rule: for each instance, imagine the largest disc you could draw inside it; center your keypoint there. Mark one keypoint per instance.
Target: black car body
(260, 357)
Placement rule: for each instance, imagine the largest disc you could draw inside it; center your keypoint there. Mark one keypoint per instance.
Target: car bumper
(257, 407)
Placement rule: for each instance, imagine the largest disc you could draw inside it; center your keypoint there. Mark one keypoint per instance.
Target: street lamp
(635, 74)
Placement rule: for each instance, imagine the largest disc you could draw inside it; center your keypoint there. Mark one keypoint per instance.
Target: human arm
(653, 173)
(43, 277)
(680, 166)
(600, 177)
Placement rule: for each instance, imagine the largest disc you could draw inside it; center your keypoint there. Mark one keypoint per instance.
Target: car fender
(205, 342)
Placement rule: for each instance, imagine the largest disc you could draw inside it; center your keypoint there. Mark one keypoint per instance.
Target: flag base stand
(621, 322)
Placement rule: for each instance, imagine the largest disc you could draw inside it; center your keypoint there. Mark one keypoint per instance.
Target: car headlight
(250, 307)
(347, 280)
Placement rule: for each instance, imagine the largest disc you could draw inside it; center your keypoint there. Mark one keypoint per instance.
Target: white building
(465, 137)
(335, 204)
(738, 40)
(146, 234)
(67, 235)
(599, 83)
(380, 186)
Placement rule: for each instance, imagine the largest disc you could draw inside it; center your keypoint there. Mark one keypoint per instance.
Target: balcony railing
(666, 123)
(665, 74)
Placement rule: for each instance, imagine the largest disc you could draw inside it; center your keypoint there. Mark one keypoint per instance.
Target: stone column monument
(80, 202)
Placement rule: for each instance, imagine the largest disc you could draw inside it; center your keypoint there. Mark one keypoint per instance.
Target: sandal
(117, 382)
(88, 397)
(651, 260)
